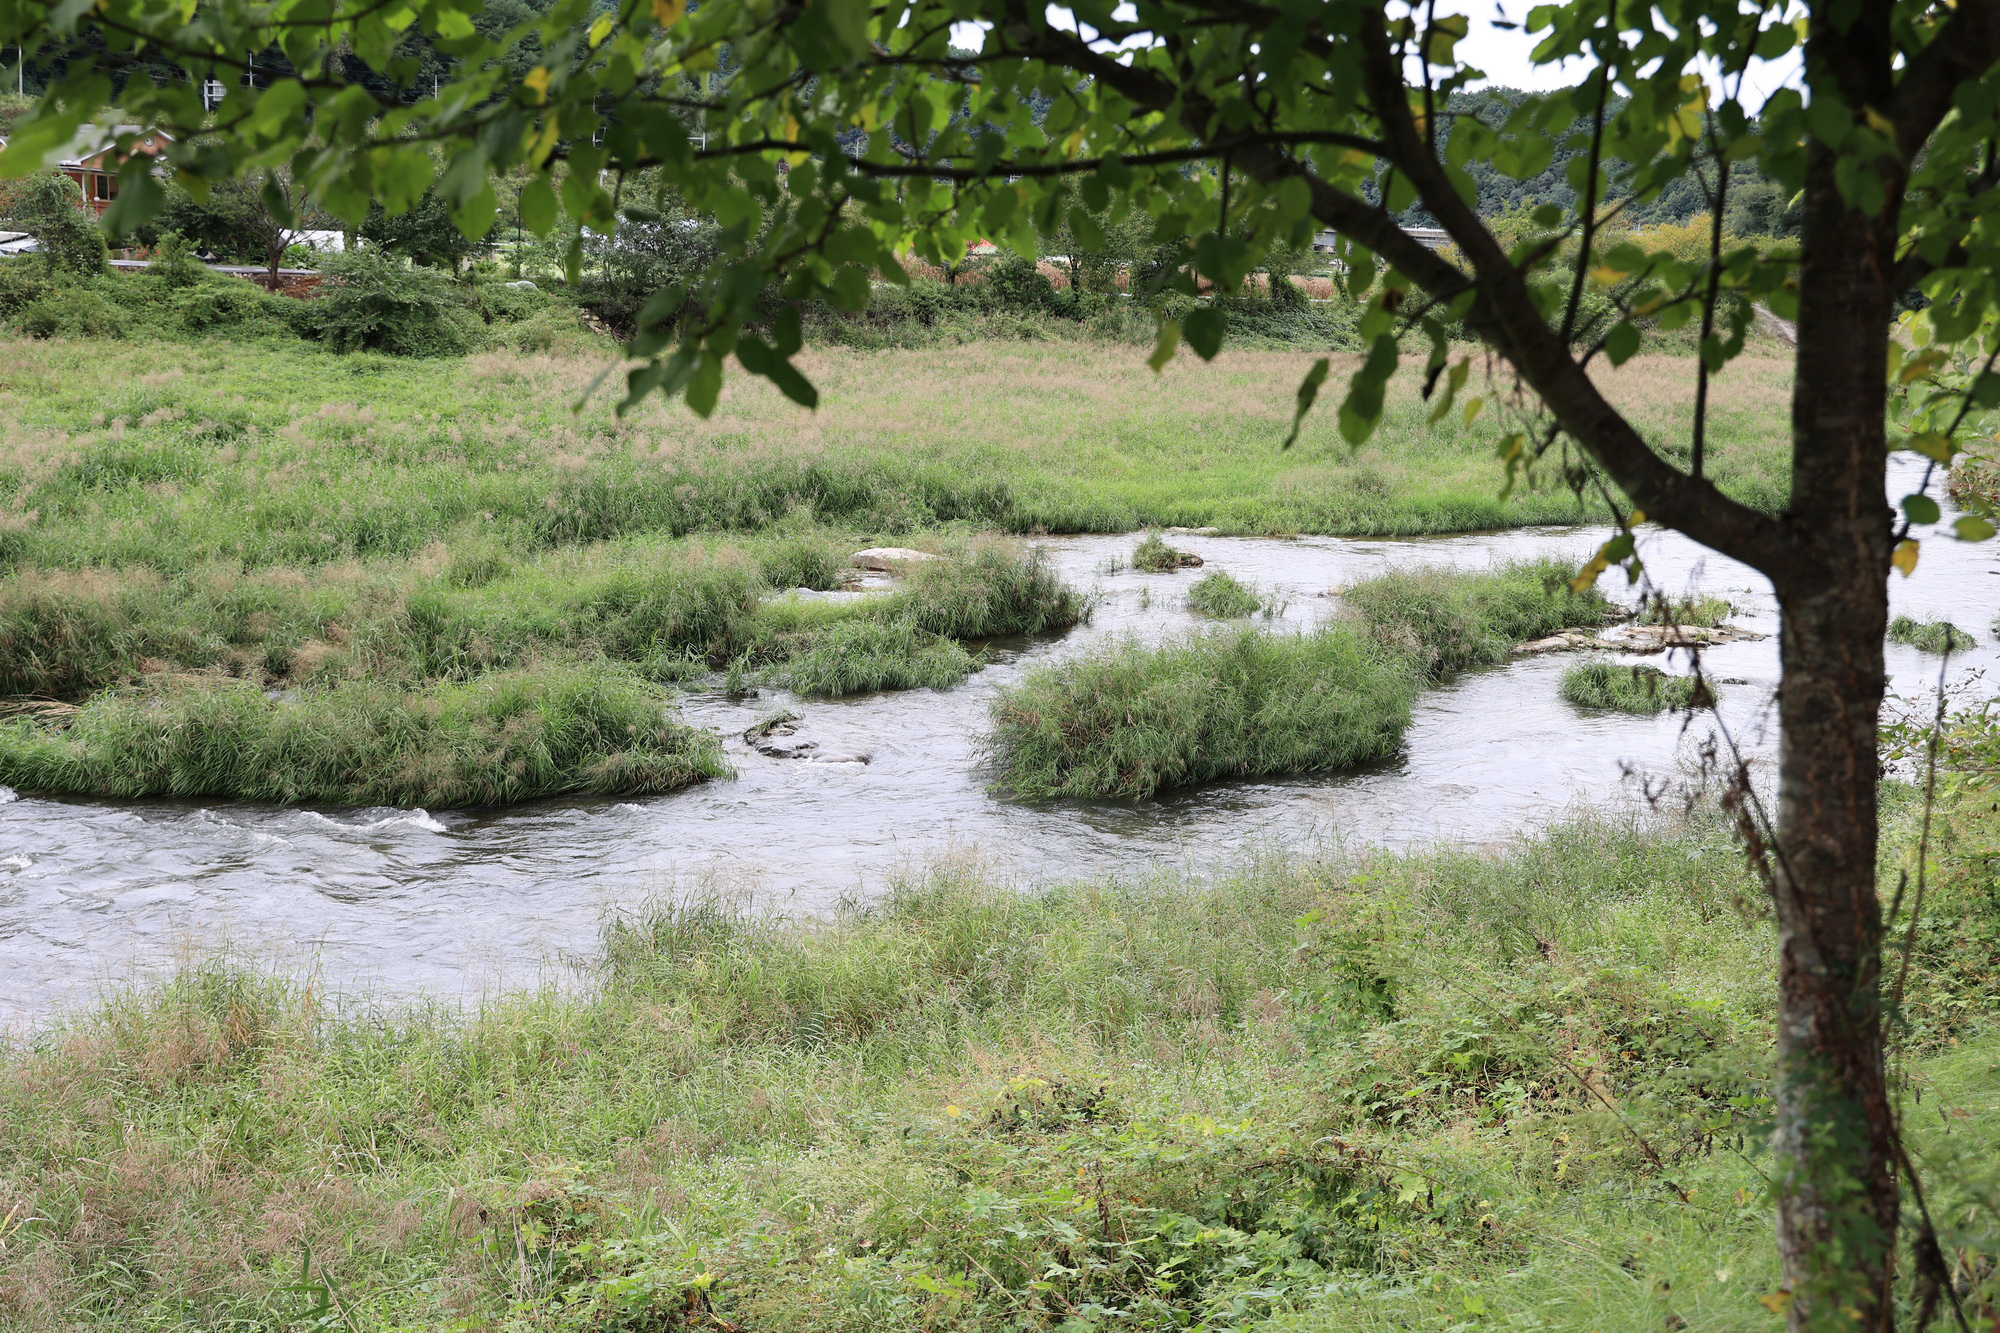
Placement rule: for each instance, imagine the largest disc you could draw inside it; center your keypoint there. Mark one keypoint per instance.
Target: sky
(1504, 53)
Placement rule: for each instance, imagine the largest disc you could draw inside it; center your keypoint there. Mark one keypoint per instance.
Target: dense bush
(647, 255)
(66, 234)
(371, 301)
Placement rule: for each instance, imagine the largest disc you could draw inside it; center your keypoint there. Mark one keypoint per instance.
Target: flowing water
(394, 902)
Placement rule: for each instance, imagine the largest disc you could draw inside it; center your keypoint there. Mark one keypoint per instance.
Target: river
(391, 903)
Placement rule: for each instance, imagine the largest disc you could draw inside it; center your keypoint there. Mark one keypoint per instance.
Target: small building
(92, 159)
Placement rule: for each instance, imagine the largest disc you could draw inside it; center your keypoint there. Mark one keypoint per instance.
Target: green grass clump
(1220, 597)
(1930, 636)
(861, 656)
(1365, 1090)
(1128, 721)
(1633, 689)
(1705, 611)
(1450, 619)
(987, 590)
(503, 737)
(1156, 557)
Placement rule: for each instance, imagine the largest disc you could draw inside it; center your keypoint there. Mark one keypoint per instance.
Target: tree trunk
(1837, 1184)
(1837, 1192)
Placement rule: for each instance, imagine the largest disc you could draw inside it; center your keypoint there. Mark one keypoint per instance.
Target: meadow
(1444, 1089)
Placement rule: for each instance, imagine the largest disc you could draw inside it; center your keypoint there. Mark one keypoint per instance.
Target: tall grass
(503, 737)
(1633, 689)
(1449, 619)
(1930, 636)
(1220, 597)
(1127, 720)
(665, 610)
(861, 656)
(1360, 1090)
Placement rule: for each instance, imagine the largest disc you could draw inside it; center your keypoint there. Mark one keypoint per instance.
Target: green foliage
(67, 237)
(1156, 557)
(1930, 636)
(1220, 597)
(986, 590)
(496, 739)
(1447, 619)
(862, 656)
(1127, 721)
(424, 235)
(1633, 689)
(173, 263)
(369, 301)
(1706, 611)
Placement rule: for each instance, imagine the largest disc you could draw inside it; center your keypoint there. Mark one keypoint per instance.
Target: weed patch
(1930, 636)
(1220, 597)
(1156, 557)
(1633, 689)
(1128, 721)
(503, 737)
(1449, 619)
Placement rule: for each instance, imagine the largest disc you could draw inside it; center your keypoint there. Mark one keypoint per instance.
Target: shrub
(1930, 636)
(24, 280)
(1016, 283)
(496, 739)
(72, 310)
(173, 263)
(67, 238)
(370, 301)
(1633, 689)
(1128, 720)
(217, 302)
(644, 257)
(1155, 556)
(1221, 597)
(1449, 619)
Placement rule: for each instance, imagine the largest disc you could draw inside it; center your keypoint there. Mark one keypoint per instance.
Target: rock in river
(889, 557)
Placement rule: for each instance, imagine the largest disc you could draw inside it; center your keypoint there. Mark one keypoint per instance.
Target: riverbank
(1360, 1090)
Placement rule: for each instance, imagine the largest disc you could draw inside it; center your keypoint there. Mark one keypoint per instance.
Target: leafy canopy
(831, 138)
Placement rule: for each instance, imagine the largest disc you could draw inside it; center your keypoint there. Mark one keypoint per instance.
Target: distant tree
(240, 221)
(424, 235)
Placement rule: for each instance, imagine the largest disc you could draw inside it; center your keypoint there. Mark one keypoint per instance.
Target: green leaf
(1308, 391)
(1920, 508)
(705, 384)
(538, 205)
(1165, 345)
(1622, 343)
(1972, 528)
(1203, 328)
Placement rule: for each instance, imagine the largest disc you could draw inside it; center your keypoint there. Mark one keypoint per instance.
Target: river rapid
(392, 903)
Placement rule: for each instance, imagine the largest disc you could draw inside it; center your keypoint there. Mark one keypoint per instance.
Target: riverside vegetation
(1354, 1090)
(1128, 721)
(237, 569)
